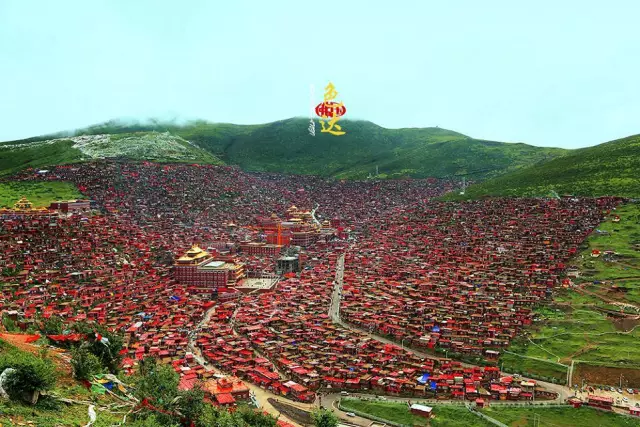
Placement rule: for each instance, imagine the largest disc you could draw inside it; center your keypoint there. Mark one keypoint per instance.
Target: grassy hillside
(161, 147)
(286, 146)
(606, 169)
(37, 155)
(41, 194)
(444, 415)
(579, 325)
(557, 417)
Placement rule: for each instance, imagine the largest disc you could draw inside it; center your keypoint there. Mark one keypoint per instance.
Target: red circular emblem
(330, 109)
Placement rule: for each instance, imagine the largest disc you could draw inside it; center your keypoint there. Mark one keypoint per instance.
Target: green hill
(612, 168)
(41, 152)
(286, 146)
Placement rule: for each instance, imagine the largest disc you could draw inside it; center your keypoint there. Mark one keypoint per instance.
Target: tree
(107, 350)
(191, 404)
(255, 418)
(158, 384)
(52, 326)
(150, 421)
(324, 418)
(212, 416)
(243, 416)
(85, 364)
(9, 324)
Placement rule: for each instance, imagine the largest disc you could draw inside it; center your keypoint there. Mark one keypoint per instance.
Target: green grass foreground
(48, 412)
(443, 415)
(41, 194)
(47, 416)
(559, 417)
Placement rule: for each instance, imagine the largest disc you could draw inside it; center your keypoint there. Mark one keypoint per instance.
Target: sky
(548, 73)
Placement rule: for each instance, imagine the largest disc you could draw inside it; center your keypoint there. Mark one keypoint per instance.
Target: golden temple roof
(195, 253)
(23, 204)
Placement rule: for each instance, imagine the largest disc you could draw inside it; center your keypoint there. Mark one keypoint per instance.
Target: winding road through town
(261, 395)
(334, 313)
(331, 400)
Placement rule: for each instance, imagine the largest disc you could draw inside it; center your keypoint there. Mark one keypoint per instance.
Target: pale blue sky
(553, 73)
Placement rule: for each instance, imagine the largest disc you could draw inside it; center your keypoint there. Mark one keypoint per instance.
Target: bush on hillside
(324, 418)
(107, 353)
(85, 364)
(242, 417)
(31, 372)
(52, 326)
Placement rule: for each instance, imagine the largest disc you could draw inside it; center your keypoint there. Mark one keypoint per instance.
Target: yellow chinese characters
(330, 110)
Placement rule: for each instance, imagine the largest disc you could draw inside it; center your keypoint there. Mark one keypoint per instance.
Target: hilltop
(285, 146)
(610, 168)
(154, 146)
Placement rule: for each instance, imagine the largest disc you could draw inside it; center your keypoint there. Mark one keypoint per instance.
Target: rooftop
(422, 408)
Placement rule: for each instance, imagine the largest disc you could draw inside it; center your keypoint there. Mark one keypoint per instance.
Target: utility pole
(620, 380)
(377, 170)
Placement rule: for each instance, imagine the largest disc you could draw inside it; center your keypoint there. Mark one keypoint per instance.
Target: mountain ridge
(285, 146)
(610, 168)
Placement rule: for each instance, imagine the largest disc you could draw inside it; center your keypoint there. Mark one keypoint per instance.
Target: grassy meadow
(41, 194)
(443, 415)
(558, 417)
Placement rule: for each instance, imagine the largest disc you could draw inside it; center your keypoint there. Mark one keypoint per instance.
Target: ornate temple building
(298, 229)
(200, 270)
(24, 207)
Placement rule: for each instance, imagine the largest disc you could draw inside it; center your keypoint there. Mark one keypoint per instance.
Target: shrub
(85, 364)
(191, 404)
(52, 326)
(324, 418)
(9, 324)
(108, 354)
(31, 373)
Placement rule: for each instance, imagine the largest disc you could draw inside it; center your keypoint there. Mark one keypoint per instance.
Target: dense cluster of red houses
(458, 276)
(463, 277)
